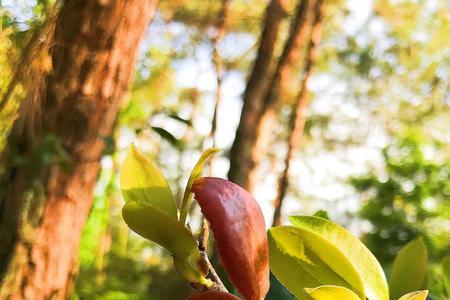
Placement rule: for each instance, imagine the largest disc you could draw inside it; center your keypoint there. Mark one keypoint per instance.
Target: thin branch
(212, 274)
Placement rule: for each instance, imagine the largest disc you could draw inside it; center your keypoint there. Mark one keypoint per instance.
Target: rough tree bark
(240, 153)
(43, 208)
(258, 122)
(297, 118)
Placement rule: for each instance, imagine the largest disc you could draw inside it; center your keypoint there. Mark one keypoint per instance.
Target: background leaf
(303, 259)
(168, 137)
(369, 269)
(409, 271)
(446, 273)
(142, 182)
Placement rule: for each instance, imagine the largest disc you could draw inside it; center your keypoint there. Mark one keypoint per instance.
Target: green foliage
(321, 260)
(303, 259)
(7, 51)
(409, 270)
(418, 295)
(195, 174)
(331, 292)
(117, 265)
(446, 273)
(369, 269)
(412, 198)
(142, 182)
(151, 212)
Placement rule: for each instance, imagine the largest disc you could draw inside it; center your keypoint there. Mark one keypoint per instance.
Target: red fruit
(240, 233)
(212, 295)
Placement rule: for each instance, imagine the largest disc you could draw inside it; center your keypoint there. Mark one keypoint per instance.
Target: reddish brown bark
(43, 209)
(240, 153)
(258, 122)
(297, 118)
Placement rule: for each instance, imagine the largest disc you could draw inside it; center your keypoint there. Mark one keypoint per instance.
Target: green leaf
(154, 224)
(331, 292)
(417, 295)
(369, 269)
(303, 259)
(150, 211)
(321, 214)
(409, 270)
(164, 134)
(446, 273)
(142, 182)
(196, 173)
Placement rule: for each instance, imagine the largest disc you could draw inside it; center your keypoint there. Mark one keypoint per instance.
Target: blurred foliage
(410, 198)
(7, 52)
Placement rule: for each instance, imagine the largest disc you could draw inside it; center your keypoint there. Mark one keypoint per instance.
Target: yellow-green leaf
(409, 270)
(417, 295)
(331, 292)
(446, 273)
(154, 224)
(196, 173)
(303, 259)
(142, 182)
(369, 269)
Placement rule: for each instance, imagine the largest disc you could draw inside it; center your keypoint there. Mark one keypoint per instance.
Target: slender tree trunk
(259, 122)
(297, 119)
(217, 62)
(44, 203)
(240, 153)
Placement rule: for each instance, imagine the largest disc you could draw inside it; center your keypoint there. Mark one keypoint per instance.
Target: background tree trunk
(44, 206)
(297, 118)
(249, 148)
(240, 153)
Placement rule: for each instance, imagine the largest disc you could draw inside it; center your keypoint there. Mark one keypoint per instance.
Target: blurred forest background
(352, 119)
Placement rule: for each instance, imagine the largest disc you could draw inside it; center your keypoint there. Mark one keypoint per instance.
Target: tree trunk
(240, 153)
(297, 119)
(258, 122)
(44, 203)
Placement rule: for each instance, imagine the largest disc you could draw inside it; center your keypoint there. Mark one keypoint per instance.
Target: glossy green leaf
(142, 182)
(196, 173)
(303, 259)
(154, 224)
(331, 292)
(417, 295)
(446, 273)
(369, 269)
(409, 270)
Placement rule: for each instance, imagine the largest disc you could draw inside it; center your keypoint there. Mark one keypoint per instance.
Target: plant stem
(212, 273)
